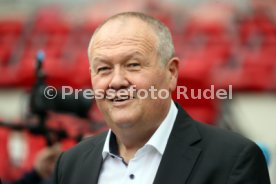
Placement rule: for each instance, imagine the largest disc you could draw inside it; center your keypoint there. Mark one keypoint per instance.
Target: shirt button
(131, 176)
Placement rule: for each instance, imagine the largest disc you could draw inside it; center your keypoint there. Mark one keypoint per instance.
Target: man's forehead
(128, 32)
(123, 27)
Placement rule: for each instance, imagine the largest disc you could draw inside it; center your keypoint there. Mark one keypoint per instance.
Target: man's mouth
(121, 99)
(120, 95)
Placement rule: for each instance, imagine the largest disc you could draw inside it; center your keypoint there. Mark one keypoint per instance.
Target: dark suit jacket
(195, 154)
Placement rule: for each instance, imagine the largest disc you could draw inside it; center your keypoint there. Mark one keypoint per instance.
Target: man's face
(124, 55)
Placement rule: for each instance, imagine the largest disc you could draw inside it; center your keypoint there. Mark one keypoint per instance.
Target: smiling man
(151, 140)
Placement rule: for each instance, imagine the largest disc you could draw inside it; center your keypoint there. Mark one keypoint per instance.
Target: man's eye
(103, 69)
(133, 65)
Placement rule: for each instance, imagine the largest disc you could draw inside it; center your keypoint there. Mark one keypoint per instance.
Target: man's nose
(118, 80)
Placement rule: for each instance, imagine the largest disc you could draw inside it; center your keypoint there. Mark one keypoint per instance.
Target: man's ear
(172, 67)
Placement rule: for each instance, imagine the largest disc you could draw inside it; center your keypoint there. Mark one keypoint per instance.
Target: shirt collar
(160, 137)
(158, 140)
(106, 145)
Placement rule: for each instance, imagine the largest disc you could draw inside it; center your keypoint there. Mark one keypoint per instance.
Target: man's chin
(121, 121)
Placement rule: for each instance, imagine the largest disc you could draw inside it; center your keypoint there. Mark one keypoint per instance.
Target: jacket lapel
(92, 163)
(179, 157)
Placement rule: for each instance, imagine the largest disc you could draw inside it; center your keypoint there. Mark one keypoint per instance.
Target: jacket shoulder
(86, 145)
(74, 165)
(220, 138)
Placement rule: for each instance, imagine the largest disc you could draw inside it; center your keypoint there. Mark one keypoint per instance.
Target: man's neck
(128, 145)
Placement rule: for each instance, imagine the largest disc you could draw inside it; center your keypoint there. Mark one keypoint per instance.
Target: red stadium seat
(191, 76)
(13, 27)
(50, 21)
(5, 54)
(4, 154)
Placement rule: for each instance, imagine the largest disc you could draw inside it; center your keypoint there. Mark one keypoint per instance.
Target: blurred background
(219, 42)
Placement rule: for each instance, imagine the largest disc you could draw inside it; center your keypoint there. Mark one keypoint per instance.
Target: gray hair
(165, 47)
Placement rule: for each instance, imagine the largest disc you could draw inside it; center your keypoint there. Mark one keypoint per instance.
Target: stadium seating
(243, 56)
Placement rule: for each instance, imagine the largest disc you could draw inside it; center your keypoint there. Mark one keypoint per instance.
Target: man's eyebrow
(99, 59)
